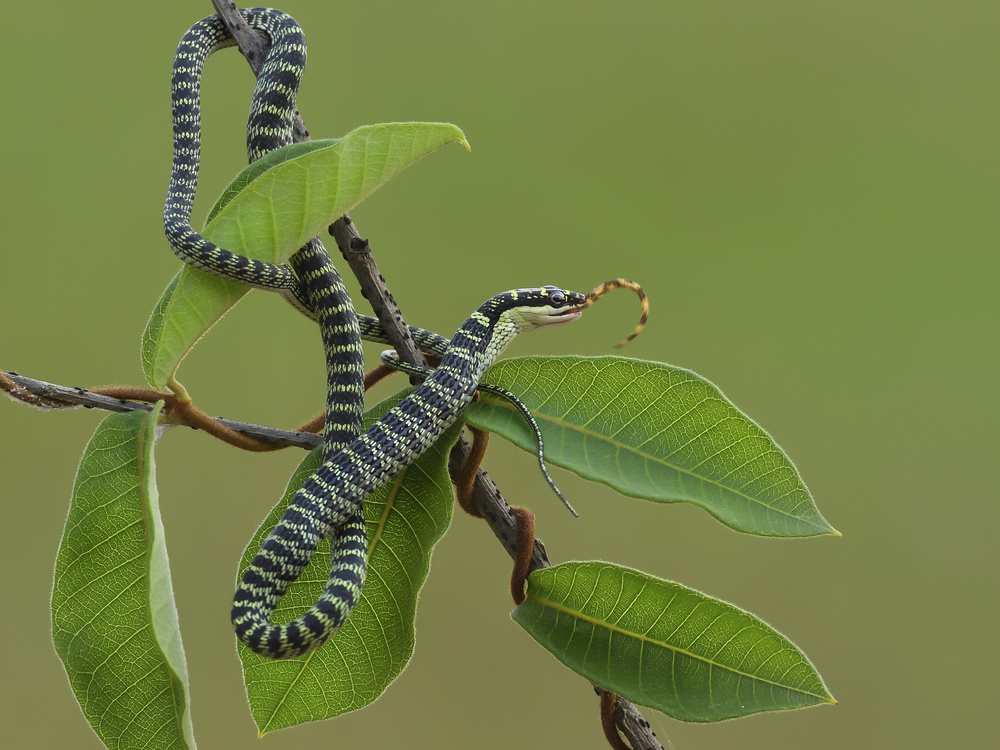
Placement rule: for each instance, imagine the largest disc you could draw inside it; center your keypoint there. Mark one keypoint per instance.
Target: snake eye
(558, 299)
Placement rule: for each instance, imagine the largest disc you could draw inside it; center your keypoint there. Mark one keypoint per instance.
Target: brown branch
(358, 254)
(635, 728)
(466, 482)
(64, 397)
(182, 411)
(18, 392)
(522, 560)
(377, 374)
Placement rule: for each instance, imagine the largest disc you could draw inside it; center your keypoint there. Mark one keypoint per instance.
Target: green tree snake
(354, 465)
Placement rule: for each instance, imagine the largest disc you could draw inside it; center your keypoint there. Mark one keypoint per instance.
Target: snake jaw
(543, 317)
(558, 317)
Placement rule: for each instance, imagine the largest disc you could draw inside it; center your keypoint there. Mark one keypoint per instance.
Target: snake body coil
(314, 285)
(279, 76)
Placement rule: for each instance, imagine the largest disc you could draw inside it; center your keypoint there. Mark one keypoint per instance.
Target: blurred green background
(807, 191)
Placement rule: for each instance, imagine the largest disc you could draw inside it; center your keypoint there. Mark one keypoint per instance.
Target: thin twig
(635, 728)
(61, 396)
(470, 469)
(522, 560)
(609, 722)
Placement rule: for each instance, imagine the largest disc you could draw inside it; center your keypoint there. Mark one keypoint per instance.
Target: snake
(329, 503)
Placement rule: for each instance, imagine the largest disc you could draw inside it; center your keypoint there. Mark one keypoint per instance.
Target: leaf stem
(608, 721)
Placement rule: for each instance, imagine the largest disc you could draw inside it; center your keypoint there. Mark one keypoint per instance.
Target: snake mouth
(563, 316)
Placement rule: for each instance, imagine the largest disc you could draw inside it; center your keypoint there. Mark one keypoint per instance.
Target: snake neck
(482, 338)
(408, 429)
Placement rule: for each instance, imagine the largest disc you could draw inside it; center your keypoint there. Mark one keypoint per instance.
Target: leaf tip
(459, 136)
(821, 527)
(827, 529)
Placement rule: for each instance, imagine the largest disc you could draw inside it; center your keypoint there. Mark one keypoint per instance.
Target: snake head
(546, 306)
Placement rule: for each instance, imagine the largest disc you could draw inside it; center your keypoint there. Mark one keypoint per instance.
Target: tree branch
(54, 396)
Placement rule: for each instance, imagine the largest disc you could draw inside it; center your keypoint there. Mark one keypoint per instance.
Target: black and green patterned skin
(391, 358)
(330, 502)
(332, 496)
(279, 77)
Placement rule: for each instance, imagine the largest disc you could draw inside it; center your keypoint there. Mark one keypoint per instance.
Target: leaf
(405, 520)
(191, 304)
(270, 210)
(653, 431)
(663, 645)
(114, 622)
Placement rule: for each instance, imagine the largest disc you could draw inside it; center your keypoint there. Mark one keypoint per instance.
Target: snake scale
(354, 465)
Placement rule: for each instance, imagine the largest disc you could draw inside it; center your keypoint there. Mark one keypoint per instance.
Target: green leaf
(653, 431)
(666, 646)
(270, 210)
(114, 622)
(405, 520)
(191, 304)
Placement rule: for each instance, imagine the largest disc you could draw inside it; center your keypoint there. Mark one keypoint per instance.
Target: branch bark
(352, 245)
(52, 396)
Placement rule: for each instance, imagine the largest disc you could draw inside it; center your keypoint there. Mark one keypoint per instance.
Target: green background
(808, 192)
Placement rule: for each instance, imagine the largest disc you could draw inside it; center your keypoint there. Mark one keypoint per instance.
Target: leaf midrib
(663, 462)
(593, 621)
